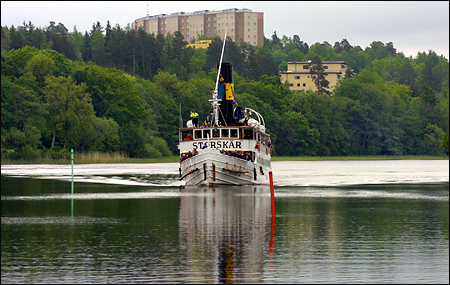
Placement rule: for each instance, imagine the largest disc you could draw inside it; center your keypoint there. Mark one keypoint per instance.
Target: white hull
(210, 167)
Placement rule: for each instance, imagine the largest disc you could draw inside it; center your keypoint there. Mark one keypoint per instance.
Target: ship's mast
(215, 100)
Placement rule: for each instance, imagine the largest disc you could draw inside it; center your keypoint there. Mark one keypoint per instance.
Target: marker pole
(272, 232)
(272, 194)
(72, 168)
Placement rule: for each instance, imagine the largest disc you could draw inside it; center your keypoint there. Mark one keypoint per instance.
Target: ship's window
(197, 134)
(225, 133)
(186, 135)
(234, 133)
(206, 134)
(248, 134)
(215, 133)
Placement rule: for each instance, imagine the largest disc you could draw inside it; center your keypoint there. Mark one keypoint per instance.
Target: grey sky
(412, 26)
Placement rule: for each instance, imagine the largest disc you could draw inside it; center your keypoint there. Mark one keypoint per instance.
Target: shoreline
(175, 159)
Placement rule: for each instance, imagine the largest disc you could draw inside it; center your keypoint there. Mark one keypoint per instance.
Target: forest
(115, 89)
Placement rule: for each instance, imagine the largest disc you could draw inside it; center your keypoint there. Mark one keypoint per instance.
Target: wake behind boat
(233, 148)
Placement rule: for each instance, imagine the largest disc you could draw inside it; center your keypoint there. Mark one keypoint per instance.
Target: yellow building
(298, 77)
(242, 24)
(200, 44)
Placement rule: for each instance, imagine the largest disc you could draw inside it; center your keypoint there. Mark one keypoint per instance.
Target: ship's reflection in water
(225, 232)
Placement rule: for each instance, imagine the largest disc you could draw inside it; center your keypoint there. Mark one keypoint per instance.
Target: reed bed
(99, 157)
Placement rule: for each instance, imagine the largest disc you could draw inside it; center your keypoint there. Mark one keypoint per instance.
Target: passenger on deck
(189, 137)
(194, 117)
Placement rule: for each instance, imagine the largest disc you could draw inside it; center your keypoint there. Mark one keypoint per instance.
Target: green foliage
(318, 74)
(68, 106)
(124, 91)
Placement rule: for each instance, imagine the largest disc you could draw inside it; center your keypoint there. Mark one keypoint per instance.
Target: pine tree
(318, 75)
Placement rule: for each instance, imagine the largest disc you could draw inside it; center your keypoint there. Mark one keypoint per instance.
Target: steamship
(233, 148)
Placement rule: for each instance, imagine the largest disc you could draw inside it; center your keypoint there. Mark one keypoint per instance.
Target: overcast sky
(412, 26)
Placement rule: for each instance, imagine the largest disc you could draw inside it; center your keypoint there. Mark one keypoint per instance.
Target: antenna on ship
(215, 100)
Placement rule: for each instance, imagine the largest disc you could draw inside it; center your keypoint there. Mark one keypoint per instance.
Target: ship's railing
(217, 133)
(250, 112)
(260, 124)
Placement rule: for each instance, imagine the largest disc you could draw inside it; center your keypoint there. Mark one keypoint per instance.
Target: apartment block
(242, 24)
(299, 78)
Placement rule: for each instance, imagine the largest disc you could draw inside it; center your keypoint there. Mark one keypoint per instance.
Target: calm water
(336, 222)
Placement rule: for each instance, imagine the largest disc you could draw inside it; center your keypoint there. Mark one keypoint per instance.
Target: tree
(445, 143)
(318, 75)
(40, 66)
(86, 51)
(324, 51)
(302, 46)
(17, 39)
(113, 95)
(98, 45)
(20, 106)
(68, 105)
(297, 137)
(178, 52)
(276, 42)
(76, 40)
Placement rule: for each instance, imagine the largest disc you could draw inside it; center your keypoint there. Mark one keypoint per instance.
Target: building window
(325, 67)
(304, 84)
(296, 77)
(291, 84)
(298, 84)
(305, 67)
